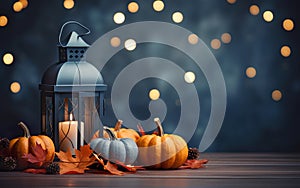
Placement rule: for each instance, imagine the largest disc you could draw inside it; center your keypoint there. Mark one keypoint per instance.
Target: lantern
(72, 95)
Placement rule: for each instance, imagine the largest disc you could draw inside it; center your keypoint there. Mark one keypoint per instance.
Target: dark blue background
(253, 121)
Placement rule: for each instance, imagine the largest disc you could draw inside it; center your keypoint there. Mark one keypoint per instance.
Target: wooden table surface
(223, 170)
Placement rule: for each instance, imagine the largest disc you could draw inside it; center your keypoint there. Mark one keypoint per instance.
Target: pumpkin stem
(159, 127)
(25, 129)
(118, 125)
(111, 135)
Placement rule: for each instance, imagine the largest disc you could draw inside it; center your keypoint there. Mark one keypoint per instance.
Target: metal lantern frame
(72, 90)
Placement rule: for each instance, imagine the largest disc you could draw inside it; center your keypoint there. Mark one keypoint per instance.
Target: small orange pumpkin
(162, 151)
(122, 132)
(20, 146)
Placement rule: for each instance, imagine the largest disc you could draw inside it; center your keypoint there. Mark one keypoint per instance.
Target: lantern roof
(74, 40)
(70, 76)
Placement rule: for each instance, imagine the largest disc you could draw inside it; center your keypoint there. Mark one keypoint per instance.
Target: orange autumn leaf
(78, 164)
(194, 164)
(112, 168)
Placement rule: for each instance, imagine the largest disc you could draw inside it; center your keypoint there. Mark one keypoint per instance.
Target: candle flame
(71, 117)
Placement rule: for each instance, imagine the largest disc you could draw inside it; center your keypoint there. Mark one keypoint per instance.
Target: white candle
(68, 135)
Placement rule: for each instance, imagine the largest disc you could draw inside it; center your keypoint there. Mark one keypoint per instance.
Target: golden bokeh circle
(254, 10)
(177, 17)
(69, 4)
(24, 3)
(276, 95)
(15, 87)
(268, 16)
(3, 21)
(189, 77)
(119, 18)
(215, 44)
(158, 5)
(115, 41)
(133, 7)
(285, 51)
(288, 24)
(8, 58)
(154, 94)
(226, 38)
(130, 44)
(193, 39)
(251, 72)
(17, 6)
(231, 1)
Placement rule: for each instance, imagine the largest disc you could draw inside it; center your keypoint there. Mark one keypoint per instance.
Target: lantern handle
(72, 22)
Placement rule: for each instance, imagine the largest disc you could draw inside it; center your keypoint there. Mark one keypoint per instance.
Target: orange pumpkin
(162, 151)
(23, 145)
(122, 132)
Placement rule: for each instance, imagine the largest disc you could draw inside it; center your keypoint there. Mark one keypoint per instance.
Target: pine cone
(193, 153)
(7, 163)
(53, 168)
(4, 145)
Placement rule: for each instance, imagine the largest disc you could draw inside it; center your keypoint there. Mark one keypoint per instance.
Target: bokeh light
(177, 17)
(285, 51)
(288, 24)
(276, 95)
(130, 44)
(3, 21)
(8, 58)
(133, 7)
(215, 44)
(17, 6)
(254, 10)
(189, 77)
(24, 3)
(15, 87)
(226, 38)
(115, 41)
(154, 94)
(193, 39)
(268, 16)
(251, 72)
(69, 4)
(119, 18)
(231, 1)
(158, 5)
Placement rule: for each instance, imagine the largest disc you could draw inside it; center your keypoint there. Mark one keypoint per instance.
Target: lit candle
(68, 135)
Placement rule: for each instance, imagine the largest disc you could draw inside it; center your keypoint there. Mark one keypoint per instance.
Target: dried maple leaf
(37, 156)
(35, 171)
(113, 168)
(78, 164)
(194, 164)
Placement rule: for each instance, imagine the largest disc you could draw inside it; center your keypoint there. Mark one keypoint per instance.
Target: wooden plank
(222, 170)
